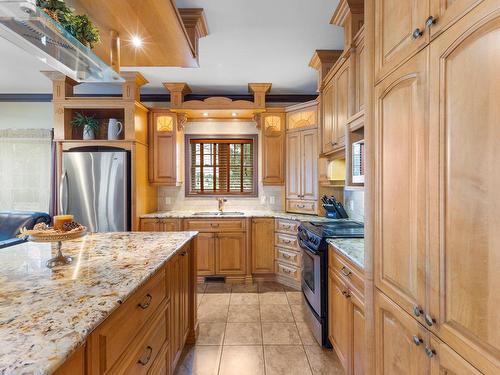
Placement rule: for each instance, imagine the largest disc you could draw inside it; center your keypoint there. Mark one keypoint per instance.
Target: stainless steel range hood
(30, 28)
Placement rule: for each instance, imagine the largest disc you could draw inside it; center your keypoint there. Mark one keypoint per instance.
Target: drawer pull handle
(214, 225)
(346, 271)
(287, 241)
(144, 305)
(286, 256)
(417, 340)
(183, 254)
(346, 294)
(144, 362)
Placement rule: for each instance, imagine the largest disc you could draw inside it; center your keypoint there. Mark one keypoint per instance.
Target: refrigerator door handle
(63, 194)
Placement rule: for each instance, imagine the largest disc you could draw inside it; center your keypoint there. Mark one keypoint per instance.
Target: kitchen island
(127, 300)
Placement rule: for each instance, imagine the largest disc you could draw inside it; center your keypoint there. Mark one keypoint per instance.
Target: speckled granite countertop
(352, 248)
(246, 213)
(46, 314)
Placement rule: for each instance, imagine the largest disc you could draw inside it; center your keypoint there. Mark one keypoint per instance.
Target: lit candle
(60, 220)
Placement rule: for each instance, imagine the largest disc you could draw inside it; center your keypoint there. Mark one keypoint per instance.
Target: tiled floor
(254, 329)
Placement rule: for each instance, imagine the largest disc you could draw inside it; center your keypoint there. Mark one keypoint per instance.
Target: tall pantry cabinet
(436, 181)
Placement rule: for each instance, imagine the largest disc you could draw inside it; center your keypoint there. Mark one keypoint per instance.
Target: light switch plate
(272, 200)
(168, 200)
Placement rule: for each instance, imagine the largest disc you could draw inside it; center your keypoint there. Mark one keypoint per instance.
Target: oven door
(311, 282)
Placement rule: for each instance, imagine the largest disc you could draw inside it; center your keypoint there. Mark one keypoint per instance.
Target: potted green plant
(89, 124)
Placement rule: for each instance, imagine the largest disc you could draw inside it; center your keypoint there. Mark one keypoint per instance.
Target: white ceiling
(248, 41)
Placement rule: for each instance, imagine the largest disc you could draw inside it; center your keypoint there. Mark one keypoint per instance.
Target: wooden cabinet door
(205, 258)
(447, 362)
(343, 103)
(162, 154)
(293, 165)
(446, 12)
(150, 225)
(401, 152)
(175, 309)
(184, 277)
(339, 319)
(359, 73)
(263, 245)
(309, 164)
(327, 117)
(170, 225)
(396, 338)
(230, 253)
(357, 335)
(464, 280)
(395, 23)
(273, 151)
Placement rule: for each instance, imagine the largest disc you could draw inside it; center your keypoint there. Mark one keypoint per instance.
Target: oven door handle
(304, 246)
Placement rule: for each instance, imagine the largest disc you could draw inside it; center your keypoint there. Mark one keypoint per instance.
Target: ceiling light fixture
(205, 114)
(234, 114)
(136, 41)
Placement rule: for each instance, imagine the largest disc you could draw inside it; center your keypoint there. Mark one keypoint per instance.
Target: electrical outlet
(168, 200)
(263, 199)
(272, 200)
(351, 205)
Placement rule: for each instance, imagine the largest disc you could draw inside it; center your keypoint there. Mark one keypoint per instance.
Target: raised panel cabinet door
(230, 253)
(170, 225)
(358, 336)
(339, 318)
(359, 76)
(447, 362)
(263, 245)
(400, 204)
(344, 101)
(293, 165)
(327, 117)
(444, 13)
(464, 279)
(175, 310)
(163, 169)
(309, 164)
(184, 267)
(150, 225)
(400, 340)
(205, 257)
(398, 24)
(273, 152)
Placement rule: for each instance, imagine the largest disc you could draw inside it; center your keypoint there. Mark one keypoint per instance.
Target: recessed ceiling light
(136, 41)
(234, 114)
(205, 114)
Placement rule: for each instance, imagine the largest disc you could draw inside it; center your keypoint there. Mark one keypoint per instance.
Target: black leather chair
(11, 222)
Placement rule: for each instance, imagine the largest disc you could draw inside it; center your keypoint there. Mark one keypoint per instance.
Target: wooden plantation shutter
(222, 167)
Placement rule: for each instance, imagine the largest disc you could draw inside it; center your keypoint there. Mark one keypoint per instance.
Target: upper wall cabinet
(163, 147)
(359, 72)
(272, 125)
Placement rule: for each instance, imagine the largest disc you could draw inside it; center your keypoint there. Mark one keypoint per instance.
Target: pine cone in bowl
(70, 226)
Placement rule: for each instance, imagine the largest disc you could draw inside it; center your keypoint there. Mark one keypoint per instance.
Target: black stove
(312, 238)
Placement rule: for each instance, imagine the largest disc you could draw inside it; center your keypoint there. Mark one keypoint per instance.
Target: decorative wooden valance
(216, 107)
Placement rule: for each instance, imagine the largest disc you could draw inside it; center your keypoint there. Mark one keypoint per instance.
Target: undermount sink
(217, 213)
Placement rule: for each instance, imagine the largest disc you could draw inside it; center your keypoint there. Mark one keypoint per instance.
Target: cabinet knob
(429, 320)
(147, 301)
(417, 33)
(417, 340)
(144, 361)
(430, 352)
(430, 21)
(417, 311)
(346, 294)
(346, 271)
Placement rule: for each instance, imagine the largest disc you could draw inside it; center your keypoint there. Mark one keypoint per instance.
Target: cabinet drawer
(286, 226)
(288, 256)
(347, 271)
(284, 269)
(287, 241)
(116, 333)
(216, 225)
(301, 206)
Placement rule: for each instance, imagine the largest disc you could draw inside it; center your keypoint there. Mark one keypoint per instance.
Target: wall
(173, 198)
(26, 115)
(354, 202)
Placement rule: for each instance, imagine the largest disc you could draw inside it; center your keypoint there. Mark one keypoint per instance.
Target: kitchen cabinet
(445, 13)
(288, 258)
(162, 147)
(446, 361)
(359, 71)
(273, 147)
(206, 254)
(230, 253)
(400, 147)
(160, 225)
(262, 245)
(338, 318)
(302, 171)
(328, 110)
(74, 365)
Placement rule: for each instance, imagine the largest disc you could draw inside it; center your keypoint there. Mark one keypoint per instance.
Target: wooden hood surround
(170, 35)
(216, 107)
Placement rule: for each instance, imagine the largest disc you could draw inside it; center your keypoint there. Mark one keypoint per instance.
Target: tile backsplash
(354, 202)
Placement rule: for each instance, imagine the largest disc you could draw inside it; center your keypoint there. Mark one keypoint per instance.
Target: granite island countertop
(46, 314)
(352, 248)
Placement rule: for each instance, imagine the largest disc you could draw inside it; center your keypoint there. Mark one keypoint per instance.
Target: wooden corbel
(258, 119)
(181, 121)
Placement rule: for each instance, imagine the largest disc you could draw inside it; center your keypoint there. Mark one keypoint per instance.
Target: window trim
(187, 164)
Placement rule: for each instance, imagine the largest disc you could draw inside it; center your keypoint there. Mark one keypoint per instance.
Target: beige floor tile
(276, 313)
(245, 288)
(200, 360)
(286, 360)
(299, 312)
(323, 361)
(242, 360)
(273, 298)
(209, 312)
(243, 334)
(217, 298)
(210, 333)
(305, 334)
(280, 334)
(243, 314)
(295, 298)
(218, 288)
(244, 299)
(270, 286)
(199, 298)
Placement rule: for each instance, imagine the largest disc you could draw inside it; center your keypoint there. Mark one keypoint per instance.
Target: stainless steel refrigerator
(94, 187)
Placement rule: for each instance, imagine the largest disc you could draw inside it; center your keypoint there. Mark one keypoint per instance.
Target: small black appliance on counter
(334, 209)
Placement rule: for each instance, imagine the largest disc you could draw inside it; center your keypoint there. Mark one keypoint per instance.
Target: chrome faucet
(220, 204)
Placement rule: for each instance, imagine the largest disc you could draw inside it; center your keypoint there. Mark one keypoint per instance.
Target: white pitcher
(115, 128)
